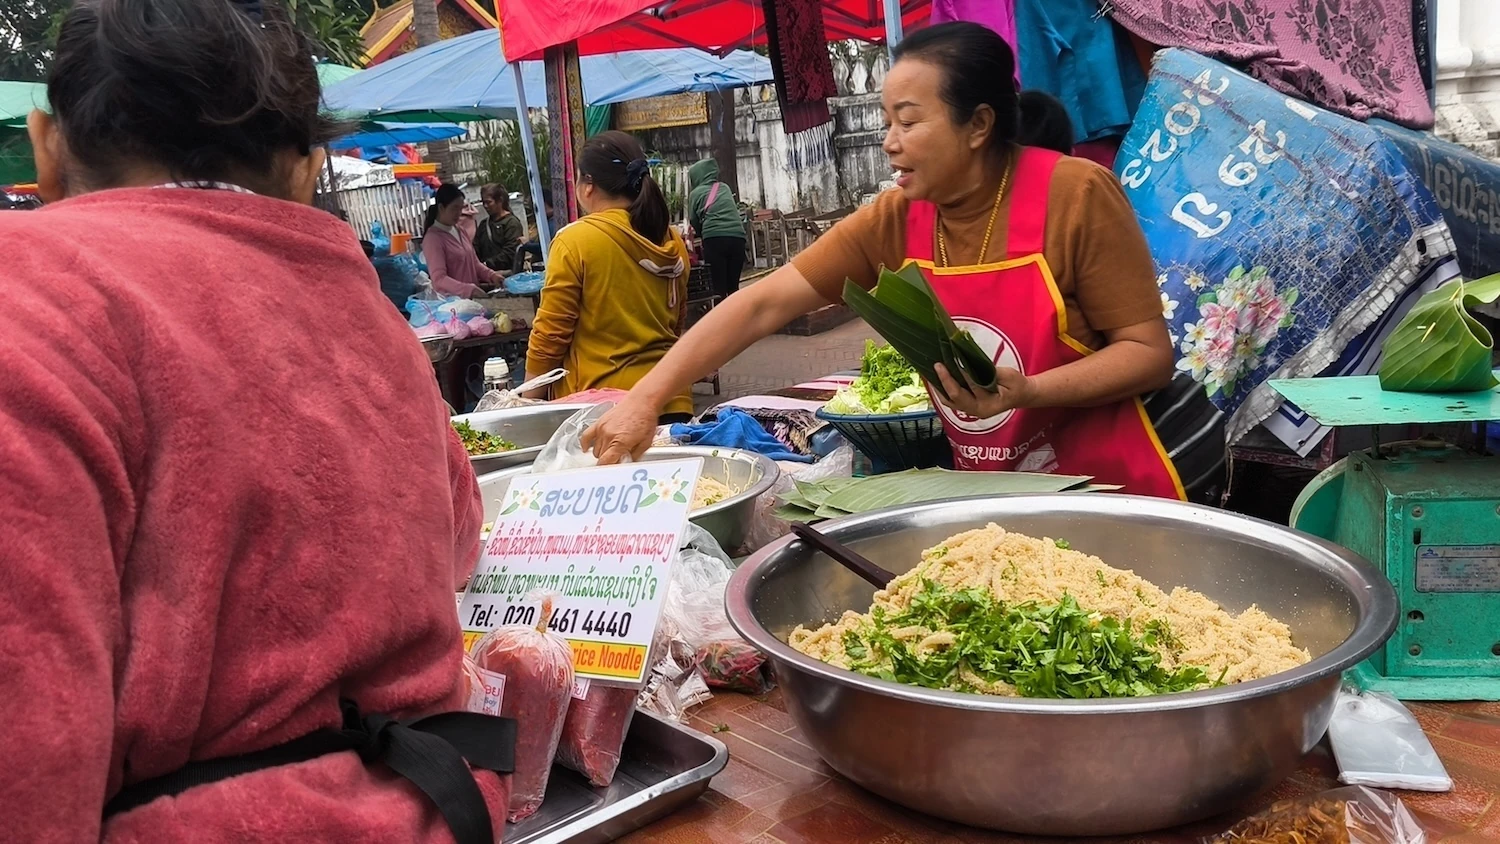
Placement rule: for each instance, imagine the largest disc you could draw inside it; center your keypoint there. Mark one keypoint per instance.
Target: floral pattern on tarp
(1282, 233)
(1237, 320)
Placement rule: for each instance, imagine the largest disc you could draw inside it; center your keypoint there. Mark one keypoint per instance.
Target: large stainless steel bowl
(748, 473)
(1072, 768)
(528, 427)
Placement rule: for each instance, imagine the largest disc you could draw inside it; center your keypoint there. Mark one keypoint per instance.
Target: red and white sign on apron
(1015, 312)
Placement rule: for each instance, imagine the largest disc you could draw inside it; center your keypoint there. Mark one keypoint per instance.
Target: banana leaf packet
(1439, 347)
(903, 309)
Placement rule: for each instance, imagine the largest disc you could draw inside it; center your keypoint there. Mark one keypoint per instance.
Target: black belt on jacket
(430, 752)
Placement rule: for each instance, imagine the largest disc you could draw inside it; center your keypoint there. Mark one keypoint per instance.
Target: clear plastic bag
(674, 685)
(1353, 815)
(531, 672)
(765, 526)
(594, 733)
(734, 666)
(695, 596)
(1378, 742)
(694, 628)
(565, 449)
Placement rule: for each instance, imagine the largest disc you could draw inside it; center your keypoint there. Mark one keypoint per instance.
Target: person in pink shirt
(233, 512)
(452, 264)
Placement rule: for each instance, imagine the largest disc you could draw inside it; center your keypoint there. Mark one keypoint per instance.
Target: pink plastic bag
(595, 732)
(530, 672)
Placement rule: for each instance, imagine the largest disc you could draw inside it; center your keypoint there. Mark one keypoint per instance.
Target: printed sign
(661, 112)
(603, 540)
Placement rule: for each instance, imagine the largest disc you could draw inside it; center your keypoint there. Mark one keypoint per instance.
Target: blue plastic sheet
(1467, 188)
(466, 76)
(1282, 232)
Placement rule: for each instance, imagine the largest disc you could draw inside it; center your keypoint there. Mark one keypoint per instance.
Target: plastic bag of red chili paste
(599, 717)
(530, 672)
(598, 720)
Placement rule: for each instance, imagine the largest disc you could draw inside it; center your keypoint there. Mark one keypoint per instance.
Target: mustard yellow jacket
(612, 305)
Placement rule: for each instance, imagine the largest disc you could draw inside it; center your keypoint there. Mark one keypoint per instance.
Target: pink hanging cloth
(999, 15)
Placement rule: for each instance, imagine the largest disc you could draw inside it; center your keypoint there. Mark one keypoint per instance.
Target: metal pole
(893, 31)
(528, 145)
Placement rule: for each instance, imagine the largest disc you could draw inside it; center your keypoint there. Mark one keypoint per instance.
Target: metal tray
(529, 427)
(663, 767)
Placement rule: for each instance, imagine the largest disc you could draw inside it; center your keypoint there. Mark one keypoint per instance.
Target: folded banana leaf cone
(903, 309)
(1439, 347)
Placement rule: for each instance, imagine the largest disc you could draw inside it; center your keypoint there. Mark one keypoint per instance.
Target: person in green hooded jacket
(715, 216)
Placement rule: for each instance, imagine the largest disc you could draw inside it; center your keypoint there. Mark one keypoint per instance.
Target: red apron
(1015, 312)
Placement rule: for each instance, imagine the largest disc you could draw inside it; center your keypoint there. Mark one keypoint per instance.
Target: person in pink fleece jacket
(452, 263)
(232, 511)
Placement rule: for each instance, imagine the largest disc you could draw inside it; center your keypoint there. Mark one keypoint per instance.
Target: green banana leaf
(904, 310)
(1439, 347)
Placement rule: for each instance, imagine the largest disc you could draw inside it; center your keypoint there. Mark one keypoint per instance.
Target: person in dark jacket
(1044, 123)
(498, 237)
(715, 216)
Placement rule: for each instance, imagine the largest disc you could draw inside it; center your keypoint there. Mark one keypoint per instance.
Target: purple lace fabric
(1355, 57)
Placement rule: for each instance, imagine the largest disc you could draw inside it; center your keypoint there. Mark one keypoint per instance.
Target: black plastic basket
(896, 441)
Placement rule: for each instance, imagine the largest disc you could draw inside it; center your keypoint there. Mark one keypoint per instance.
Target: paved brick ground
(781, 361)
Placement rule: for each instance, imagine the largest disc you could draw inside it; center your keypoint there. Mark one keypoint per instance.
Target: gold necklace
(989, 230)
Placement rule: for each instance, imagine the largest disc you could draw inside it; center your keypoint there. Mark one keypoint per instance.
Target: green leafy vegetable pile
(903, 309)
(479, 442)
(886, 384)
(1058, 651)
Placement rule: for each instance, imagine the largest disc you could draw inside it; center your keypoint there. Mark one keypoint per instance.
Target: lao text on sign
(603, 540)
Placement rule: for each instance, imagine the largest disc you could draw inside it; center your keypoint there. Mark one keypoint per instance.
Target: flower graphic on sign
(666, 489)
(1237, 320)
(524, 499)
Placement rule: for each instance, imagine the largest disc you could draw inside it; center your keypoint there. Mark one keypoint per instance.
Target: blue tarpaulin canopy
(381, 134)
(465, 77)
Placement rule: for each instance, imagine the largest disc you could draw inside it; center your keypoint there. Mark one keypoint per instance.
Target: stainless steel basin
(729, 520)
(528, 427)
(1072, 768)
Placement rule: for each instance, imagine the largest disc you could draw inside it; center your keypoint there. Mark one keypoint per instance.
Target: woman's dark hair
(207, 89)
(1045, 123)
(978, 68)
(615, 163)
(446, 195)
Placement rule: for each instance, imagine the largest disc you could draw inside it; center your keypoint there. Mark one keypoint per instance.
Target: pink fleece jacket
(229, 496)
(453, 265)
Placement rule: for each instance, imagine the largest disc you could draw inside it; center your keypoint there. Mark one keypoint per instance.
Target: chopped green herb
(1063, 544)
(1099, 576)
(721, 728)
(940, 552)
(479, 442)
(1044, 651)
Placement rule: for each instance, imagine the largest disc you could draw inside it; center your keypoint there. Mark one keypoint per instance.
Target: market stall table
(776, 789)
(452, 374)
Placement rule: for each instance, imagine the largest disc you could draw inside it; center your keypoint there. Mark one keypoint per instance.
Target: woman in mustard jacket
(615, 298)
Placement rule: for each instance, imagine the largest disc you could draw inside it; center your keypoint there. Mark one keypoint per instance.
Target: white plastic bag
(1378, 742)
(565, 449)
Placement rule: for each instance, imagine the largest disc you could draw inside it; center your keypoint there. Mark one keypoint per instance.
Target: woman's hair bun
(208, 89)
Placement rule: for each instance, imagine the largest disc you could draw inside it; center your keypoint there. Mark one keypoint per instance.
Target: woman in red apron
(1038, 255)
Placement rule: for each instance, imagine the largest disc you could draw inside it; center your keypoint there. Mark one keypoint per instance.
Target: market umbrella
(329, 73)
(17, 99)
(464, 78)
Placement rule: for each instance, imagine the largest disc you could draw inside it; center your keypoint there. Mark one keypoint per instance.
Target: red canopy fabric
(607, 26)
